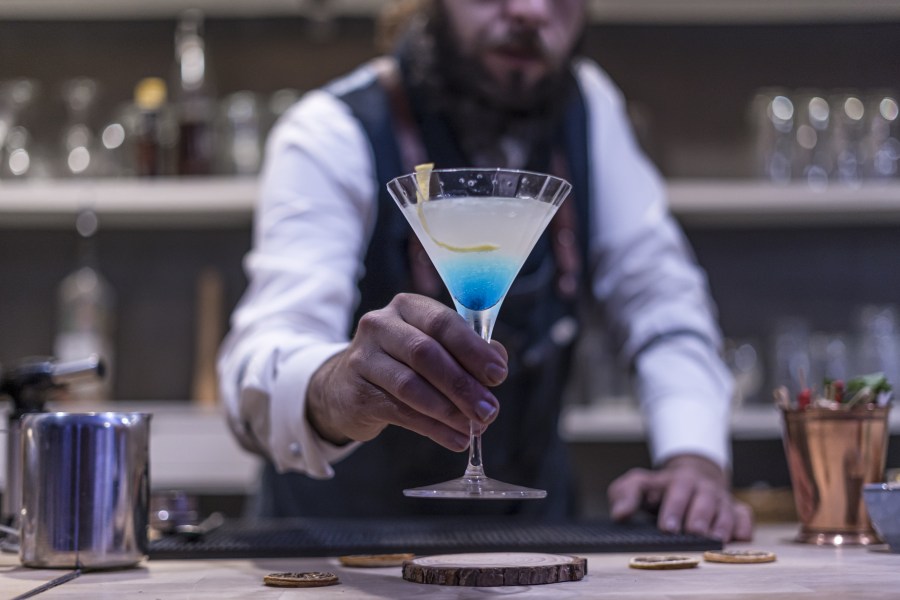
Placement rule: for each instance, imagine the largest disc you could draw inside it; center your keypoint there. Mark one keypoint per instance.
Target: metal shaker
(85, 490)
(29, 385)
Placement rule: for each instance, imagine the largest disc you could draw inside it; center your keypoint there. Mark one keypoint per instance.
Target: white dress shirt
(313, 222)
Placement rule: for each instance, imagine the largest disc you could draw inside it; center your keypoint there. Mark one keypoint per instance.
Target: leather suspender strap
(425, 279)
(564, 231)
(409, 138)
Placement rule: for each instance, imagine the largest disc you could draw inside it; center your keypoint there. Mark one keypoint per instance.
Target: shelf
(750, 203)
(164, 202)
(601, 11)
(191, 447)
(743, 11)
(621, 422)
(224, 201)
(169, 9)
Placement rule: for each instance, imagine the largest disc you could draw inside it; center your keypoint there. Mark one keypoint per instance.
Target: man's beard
(488, 116)
(466, 75)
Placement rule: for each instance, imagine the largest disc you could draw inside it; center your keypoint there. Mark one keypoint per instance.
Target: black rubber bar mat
(337, 537)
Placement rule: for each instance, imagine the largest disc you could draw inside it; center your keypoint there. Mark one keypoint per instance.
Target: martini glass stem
(482, 321)
(475, 469)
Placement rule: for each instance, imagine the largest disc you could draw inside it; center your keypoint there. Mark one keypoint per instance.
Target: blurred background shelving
(689, 69)
(656, 11)
(211, 202)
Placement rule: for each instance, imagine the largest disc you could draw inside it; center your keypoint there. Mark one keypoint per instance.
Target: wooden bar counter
(800, 571)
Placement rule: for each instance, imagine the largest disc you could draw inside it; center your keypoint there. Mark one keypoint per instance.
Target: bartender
(345, 366)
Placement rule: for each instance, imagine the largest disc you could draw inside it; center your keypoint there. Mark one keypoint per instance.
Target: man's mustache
(525, 42)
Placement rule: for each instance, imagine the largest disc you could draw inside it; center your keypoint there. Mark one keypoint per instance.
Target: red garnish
(838, 390)
(804, 397)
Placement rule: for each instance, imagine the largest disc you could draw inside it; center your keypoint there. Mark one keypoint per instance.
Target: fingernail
(671, 524)
(496, 373)
(616, 510)
(485, 410)
(461, 442)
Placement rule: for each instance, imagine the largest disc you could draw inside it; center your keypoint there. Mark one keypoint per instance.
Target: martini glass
(478, 226)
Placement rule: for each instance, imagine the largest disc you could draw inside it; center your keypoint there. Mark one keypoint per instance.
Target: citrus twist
(423, 183)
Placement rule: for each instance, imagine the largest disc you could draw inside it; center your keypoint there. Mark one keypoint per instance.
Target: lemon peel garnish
(423, 180)
(423, 183)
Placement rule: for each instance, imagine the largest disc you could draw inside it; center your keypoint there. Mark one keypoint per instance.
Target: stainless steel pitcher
(85, 490)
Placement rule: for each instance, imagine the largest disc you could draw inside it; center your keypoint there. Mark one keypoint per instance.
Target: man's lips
(517, 55)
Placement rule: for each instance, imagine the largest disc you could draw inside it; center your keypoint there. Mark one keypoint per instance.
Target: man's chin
(518, 72)
(517, 84)
(516, 94)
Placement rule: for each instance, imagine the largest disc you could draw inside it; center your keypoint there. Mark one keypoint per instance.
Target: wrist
(698, 464)
(320, 411)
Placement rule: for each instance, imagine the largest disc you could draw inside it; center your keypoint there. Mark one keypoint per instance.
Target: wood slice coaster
(495, 569)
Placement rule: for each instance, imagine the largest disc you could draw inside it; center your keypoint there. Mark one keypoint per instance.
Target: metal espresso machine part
(29, 385)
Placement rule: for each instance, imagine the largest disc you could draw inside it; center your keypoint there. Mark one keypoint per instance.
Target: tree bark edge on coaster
(495, 569)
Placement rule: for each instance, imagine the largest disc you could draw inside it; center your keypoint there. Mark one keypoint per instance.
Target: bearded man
(347, 369)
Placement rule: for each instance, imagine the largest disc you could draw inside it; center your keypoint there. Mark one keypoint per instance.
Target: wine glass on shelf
(18, 156)
(478, 226)
(78, 144)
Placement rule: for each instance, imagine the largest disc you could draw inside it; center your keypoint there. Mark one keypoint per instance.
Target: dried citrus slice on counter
(423, 185)
(663, 562)
(739, 556)
(308, 579)
(376, 560)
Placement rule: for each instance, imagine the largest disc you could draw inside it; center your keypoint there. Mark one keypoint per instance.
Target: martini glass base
(477, 487)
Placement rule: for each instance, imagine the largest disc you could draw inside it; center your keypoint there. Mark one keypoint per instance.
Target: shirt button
(295, 448)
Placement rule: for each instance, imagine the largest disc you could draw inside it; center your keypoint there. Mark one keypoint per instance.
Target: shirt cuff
(295, 445)
(685, 391)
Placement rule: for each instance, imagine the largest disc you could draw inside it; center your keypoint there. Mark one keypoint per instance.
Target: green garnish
(877, 382)
(865, 388)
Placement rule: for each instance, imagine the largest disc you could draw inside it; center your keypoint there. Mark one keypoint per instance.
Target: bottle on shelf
(241, 139)
(86, 313)
(883, 135)
(153, 133)
(193, 97)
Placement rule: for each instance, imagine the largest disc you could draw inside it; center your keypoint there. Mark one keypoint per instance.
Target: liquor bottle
(152, 129)
(241, 140)
(86, 314)
(193, 97)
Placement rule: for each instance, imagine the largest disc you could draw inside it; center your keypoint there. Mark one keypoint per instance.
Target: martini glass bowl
(478, 226)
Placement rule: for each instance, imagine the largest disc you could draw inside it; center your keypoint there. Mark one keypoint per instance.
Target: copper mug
(831, 455)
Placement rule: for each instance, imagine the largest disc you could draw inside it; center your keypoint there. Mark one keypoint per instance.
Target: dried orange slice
(739, 556)
(376, 560)
(663, 562)
(308, 579)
